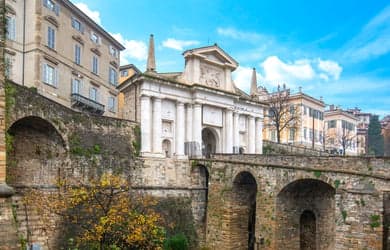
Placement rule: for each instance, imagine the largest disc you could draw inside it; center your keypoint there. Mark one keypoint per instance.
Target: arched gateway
(305, 215)
(243, 211)
(209, 142)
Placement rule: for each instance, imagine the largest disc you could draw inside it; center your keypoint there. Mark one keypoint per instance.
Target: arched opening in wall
(200, 185)
(209, 142)
(37, 153)
(305, 216)
(243, 211)
(307, 230)
(167, 149)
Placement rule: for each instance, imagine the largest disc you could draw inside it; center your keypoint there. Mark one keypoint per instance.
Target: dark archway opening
(37, 153)
(307, 231)
(305, 215)
(209, 142)
(244, 211)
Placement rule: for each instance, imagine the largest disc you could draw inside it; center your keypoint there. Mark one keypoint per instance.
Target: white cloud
(239, 35)
(329, 67)
(242, 78)
(275, 70)
(372, 41)
(178, 44)
(93, 14)
(134, 49)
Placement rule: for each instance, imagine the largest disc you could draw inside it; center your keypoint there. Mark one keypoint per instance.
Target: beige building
(362, 129)
(55, 48)
(307, 127)
(340, 132)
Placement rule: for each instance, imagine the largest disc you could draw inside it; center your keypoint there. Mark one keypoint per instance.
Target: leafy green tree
(375, 137)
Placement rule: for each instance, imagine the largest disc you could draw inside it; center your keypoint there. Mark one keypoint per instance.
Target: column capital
(179, 103)
(156, 99)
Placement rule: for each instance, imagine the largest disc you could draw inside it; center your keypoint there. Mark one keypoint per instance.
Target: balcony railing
(84, 103)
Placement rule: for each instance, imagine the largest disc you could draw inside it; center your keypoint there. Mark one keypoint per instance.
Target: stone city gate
(296, 202)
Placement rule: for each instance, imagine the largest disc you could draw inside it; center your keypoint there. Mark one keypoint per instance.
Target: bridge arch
(37, 152)
(309, 205)
(243, 211)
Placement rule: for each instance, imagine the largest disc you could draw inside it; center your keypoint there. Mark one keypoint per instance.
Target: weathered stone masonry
(343, 195)
(270, 202)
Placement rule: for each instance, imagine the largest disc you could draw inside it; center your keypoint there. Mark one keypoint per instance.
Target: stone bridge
(296, 202)
(238, 201)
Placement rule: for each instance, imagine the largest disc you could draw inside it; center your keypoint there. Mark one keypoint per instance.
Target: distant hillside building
(54, 47)
(385, 124)
(340, 131)
(195, 112)
(362, 129)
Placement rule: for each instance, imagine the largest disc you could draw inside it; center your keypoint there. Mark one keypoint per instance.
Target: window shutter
(57, 9)
(56, 77)
(44, 72)
(81, 28)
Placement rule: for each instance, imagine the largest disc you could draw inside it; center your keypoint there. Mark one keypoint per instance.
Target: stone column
(145, 124)
(180, 129)
(197, 129)
(259, 136)
(188, 139)
(189, 123)
(157, 143)
(236, 133)
(251, 135)
(229, 131)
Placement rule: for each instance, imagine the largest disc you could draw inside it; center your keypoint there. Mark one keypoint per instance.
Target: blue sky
(339, 50)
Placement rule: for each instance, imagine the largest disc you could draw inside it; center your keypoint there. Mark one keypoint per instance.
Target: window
(50, 75)
(51, 5)
(50, 37)
(292, 134)
(10, 27)
(111, 103)
(77, 54)
(347, 125)
(321, 137)
(113, 76)
(124, 73)
(113, 51)
(311, 134)
(332, 124)
(93, 94)
(304, 110)
(76, 24)
(95, 65)
(95, 38)
(76, 86)
(273, 135)
(292, 109)
(304, 133)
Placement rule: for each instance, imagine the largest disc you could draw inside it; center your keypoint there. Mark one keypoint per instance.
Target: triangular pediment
(213, 54)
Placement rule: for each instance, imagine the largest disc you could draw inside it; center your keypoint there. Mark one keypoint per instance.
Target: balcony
(86, 104)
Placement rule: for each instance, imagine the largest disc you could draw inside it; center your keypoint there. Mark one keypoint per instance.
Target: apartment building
(53, 47)
(307, 129)
(340, 131)
(362, 129)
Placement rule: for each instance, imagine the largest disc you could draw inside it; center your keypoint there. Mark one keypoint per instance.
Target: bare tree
(346, 139)
(282, 114)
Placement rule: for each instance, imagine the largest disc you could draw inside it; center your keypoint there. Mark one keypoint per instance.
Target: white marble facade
(199, 111)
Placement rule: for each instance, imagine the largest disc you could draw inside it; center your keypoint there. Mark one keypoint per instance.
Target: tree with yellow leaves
(101, 214)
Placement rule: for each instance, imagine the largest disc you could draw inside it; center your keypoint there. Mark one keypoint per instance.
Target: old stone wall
(270, 147)
(344, 195)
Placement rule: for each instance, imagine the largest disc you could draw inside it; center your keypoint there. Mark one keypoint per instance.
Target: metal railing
(87, 104)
